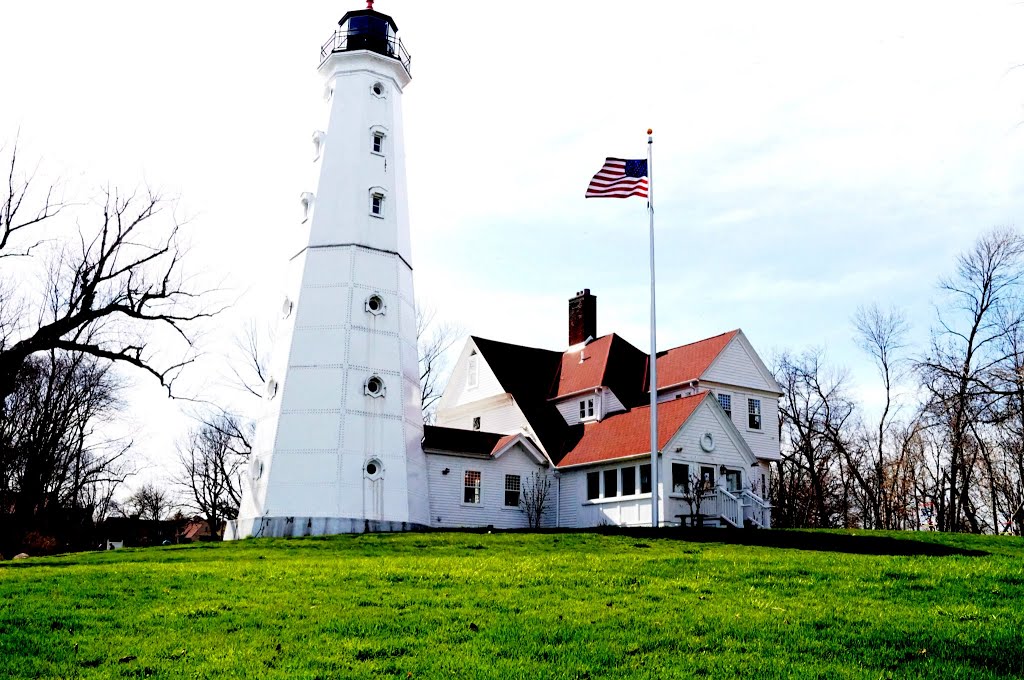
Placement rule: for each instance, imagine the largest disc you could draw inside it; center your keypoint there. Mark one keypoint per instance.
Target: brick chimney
(582, 317)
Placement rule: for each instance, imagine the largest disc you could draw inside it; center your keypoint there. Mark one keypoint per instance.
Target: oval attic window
(378, 89)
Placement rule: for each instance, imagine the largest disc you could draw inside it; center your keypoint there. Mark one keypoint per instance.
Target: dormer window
(471, 370)
(587, 408)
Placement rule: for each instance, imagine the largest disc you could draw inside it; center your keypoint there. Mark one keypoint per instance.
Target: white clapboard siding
(569, 496)
(458, 392)
(570, 409)
(605, 403)
(612, 403)
(503, 417)
(737, 365)
(764, 442)
(447, 508)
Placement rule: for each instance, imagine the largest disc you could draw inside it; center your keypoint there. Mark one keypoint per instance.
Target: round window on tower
(374, 469)
(375, 305)
(378, 90)
(374, 386)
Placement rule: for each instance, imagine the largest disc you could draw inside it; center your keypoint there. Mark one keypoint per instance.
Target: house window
(593, 485)
(377, 205)
(378, 142)
(512, 486)
(611, 486)
(754, 414)
(707, 475)
(476, 422)
(586, 408)
(471, 493)
(471, 370)
(680, 477)
(732, 481)
(645, 478)
(629, 480)
(725, 400)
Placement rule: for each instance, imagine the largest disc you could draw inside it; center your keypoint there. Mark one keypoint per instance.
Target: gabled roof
(526, 373)
(629, 434)
(689, 362)
(476, 444)
(608, 361)
(536, 378)
(464, 442)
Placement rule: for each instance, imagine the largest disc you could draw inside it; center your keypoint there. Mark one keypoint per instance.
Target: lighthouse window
(375, 305)
(377, 205)
(306, 199)
(378, 142)
(374, 386)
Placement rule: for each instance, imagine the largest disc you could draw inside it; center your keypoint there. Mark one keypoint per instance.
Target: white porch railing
(721, 503)
(756, 509)
(738, 509)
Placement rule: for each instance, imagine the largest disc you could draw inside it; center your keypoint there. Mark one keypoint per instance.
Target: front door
(732, 481)
(707, 476)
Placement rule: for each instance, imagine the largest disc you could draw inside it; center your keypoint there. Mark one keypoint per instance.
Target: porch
(720, 507)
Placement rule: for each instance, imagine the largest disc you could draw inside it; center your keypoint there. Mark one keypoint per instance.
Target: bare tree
(882, 335)
(957, 374)
(55, 460)
(535, 498)
(697, 488)
(817, 422)
(434, 339)
(148, 502)
(107, 288)
(212, 461)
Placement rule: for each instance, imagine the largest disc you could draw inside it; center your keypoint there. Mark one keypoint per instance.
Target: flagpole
(654, 351)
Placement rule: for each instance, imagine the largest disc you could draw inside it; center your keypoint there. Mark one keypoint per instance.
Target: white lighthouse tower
(339, 449)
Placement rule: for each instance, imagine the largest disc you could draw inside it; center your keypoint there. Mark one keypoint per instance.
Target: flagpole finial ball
(650, 131)
(369, 4)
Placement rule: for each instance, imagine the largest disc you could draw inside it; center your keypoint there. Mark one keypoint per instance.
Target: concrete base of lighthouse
(293, 527)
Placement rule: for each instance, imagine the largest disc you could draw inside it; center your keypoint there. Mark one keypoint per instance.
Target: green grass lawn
(466, 605)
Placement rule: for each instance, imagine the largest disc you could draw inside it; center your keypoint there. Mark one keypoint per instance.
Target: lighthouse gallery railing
(344, 41)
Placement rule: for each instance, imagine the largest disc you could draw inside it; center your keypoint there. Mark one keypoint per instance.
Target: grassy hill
(524, 606)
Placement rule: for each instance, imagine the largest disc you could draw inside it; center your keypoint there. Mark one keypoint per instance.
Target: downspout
(558, 498)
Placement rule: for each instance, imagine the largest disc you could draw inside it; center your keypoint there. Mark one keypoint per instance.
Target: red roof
(629, 433)
(690, 362)
(503, 442)
(609, 361)
(579, 375)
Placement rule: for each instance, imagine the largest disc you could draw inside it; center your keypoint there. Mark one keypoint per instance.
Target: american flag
(619, 178)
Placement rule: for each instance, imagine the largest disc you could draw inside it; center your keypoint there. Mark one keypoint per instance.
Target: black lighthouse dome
(367, 29)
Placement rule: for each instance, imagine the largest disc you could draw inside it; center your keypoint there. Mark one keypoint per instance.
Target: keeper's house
(581, 419)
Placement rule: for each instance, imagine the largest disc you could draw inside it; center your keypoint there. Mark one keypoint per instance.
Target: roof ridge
(696, 342)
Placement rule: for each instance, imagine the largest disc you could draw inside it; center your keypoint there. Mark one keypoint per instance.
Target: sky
(809, 157)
